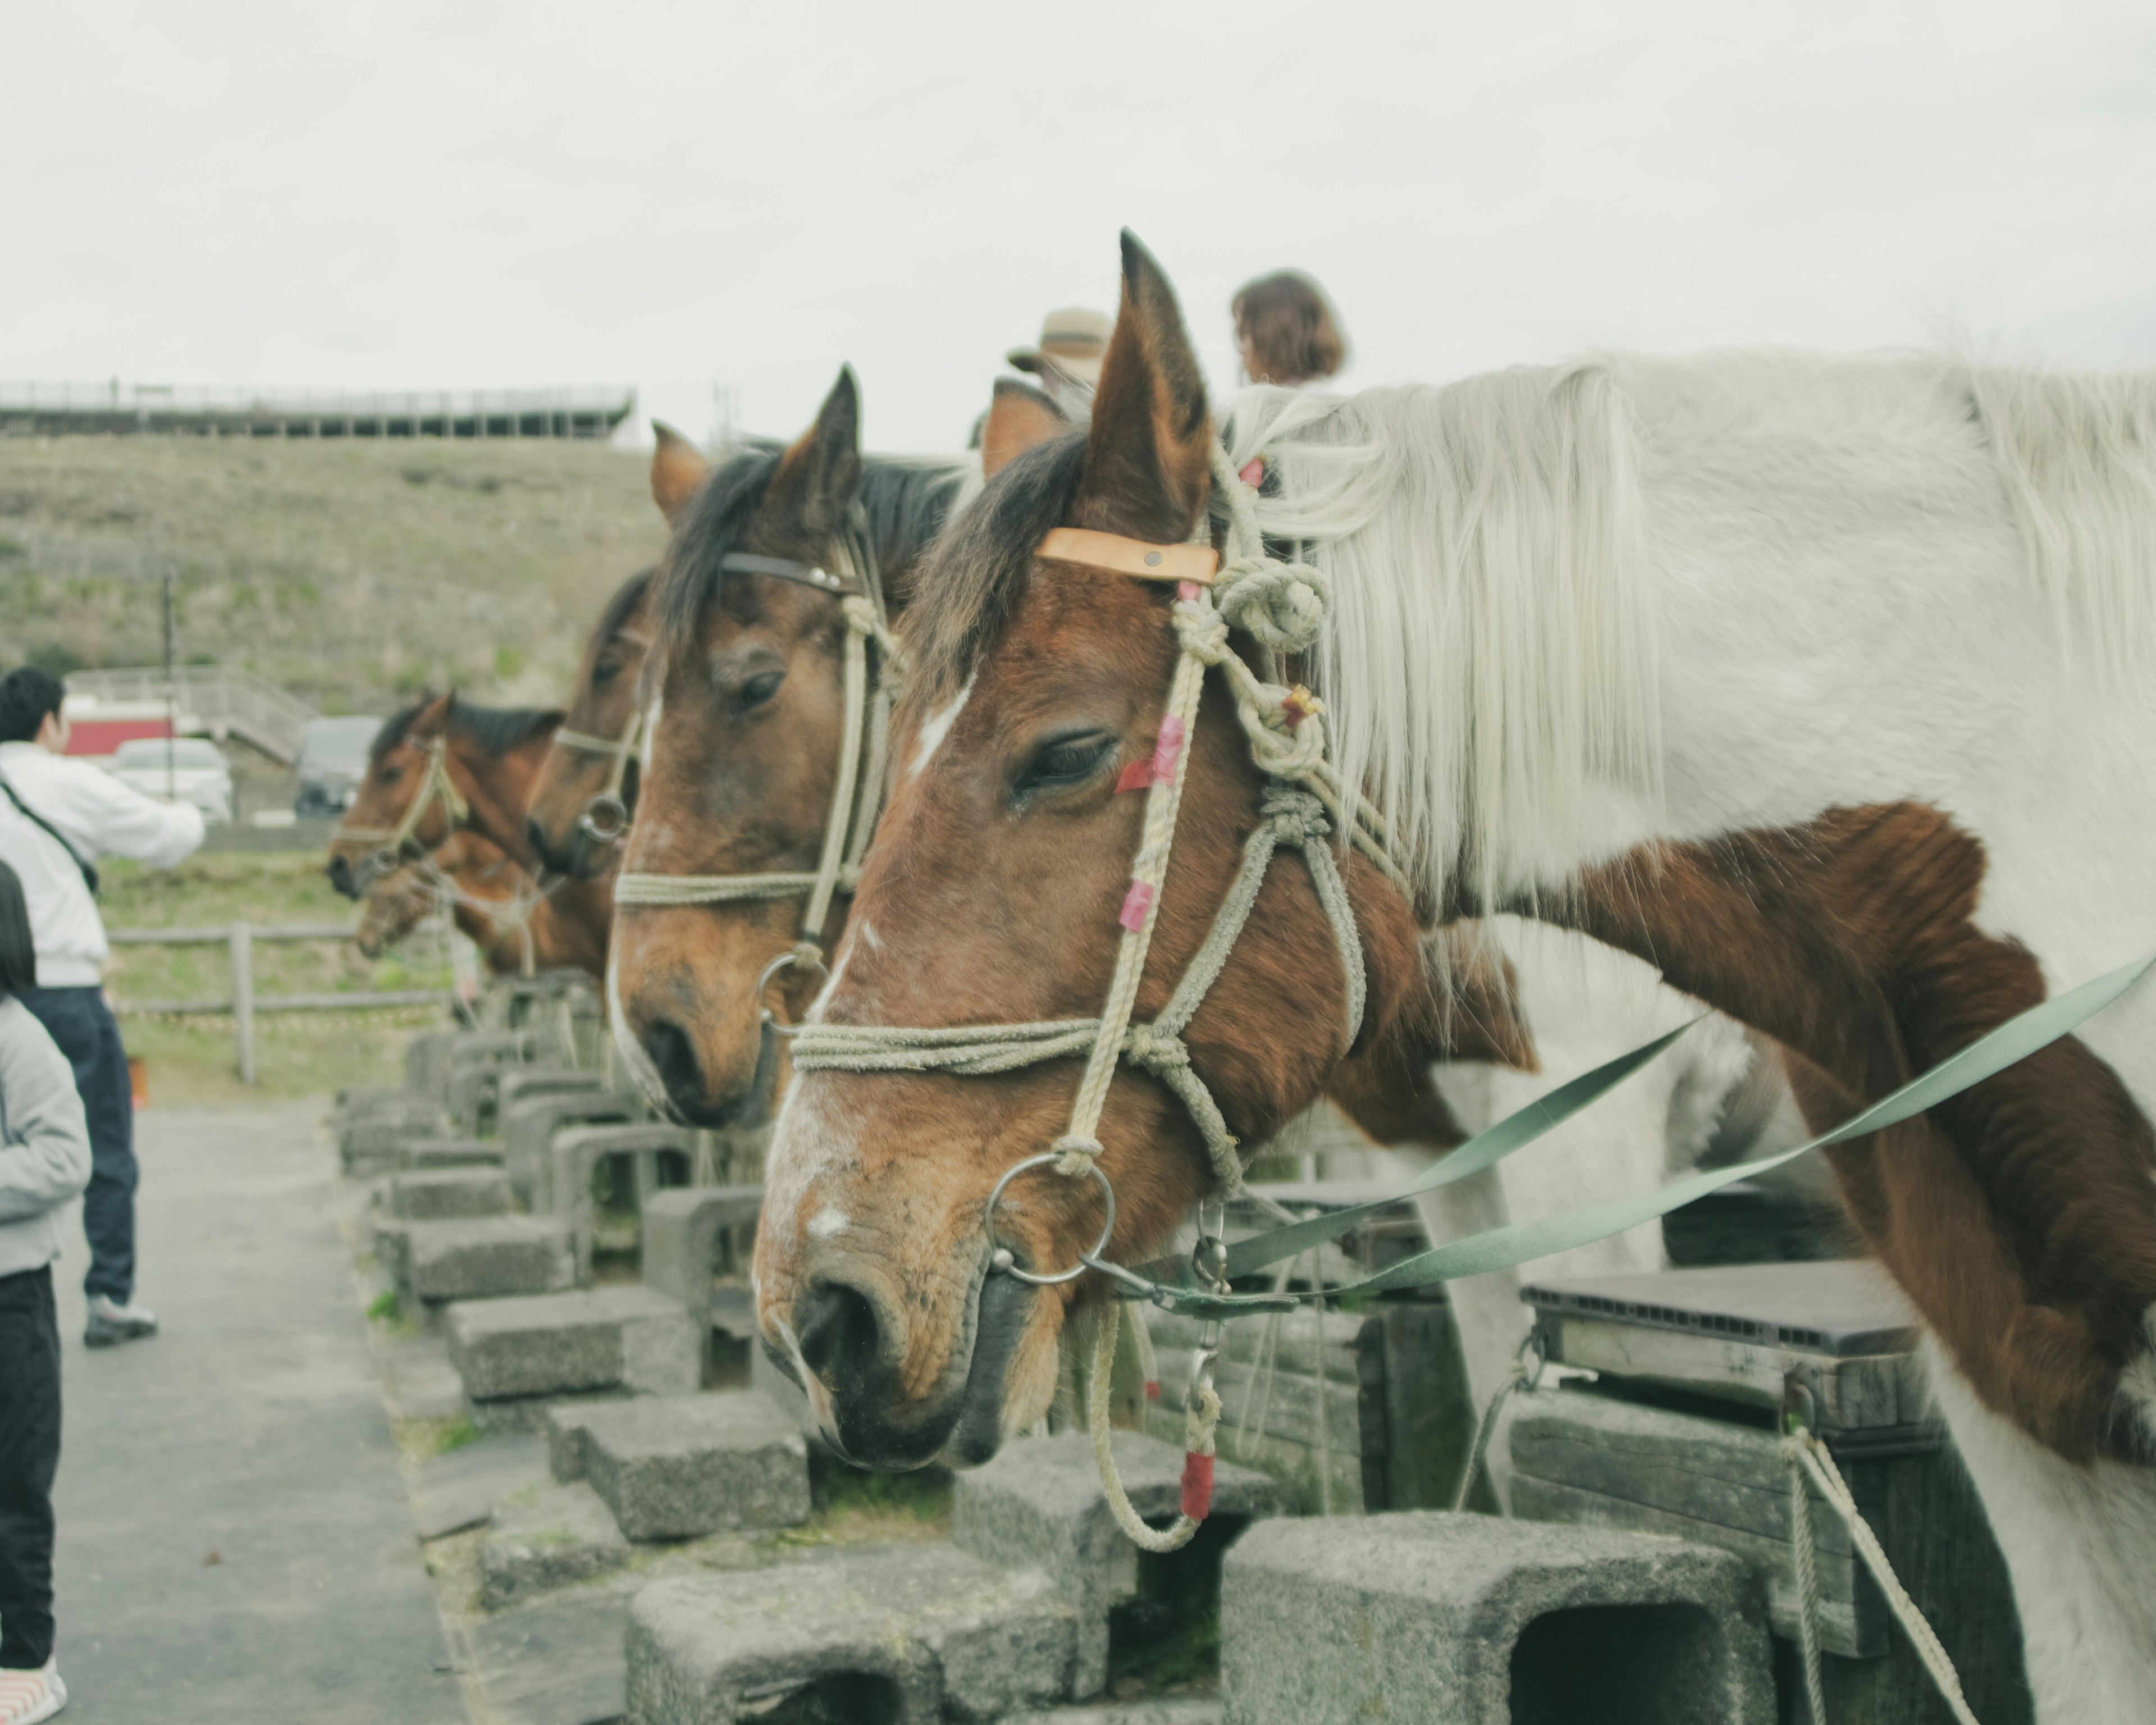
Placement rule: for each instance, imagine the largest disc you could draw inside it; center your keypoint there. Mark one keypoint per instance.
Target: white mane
(1491, 666)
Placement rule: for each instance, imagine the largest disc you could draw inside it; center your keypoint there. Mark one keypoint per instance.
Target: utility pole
(172, 699)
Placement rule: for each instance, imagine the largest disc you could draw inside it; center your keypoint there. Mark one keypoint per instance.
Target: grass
(191, 1056)
(351, 572)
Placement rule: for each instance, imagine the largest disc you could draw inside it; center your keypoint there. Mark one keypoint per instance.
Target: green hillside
(352, 573)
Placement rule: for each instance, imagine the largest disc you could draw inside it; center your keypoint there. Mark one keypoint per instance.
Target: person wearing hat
(1067, 358)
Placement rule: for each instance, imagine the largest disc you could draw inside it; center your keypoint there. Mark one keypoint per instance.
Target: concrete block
(440, 1194)
(1037, 1504)
(1423, 1617)
(658, 1156)
(565, 1426)
(419, 1154)
(673, 1467)
(528, 1126)
(696, 1235)
(1168, 1710)
(526, 1415)
(477, 1258)
(373, 1137)
(460, 1489)
(910, 1637)
(425, 1059)
(555, 1660)
(631, 1338)
(543, 1536)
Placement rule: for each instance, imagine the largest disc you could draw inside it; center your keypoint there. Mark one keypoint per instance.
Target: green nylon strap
(1486, 1149)
(1502, 1248)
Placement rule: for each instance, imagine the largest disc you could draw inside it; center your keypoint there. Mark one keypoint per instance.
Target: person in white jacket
(57, 818)
(44, 1161)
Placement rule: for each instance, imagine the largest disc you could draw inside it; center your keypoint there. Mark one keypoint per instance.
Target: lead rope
(1200, 1424)
(1522, 1376)
(1810, 1458)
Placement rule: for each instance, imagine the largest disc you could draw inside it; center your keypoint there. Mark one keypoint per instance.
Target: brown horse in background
(451, 765)
(495, 904)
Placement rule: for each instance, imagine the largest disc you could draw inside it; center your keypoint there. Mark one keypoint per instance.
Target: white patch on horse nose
(934, 729)
(828, 1221)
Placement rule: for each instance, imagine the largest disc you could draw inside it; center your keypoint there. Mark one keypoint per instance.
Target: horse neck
(571, 925)
(498, 789)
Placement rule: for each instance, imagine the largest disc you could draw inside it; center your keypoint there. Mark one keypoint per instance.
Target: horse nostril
(536, 835)
(340, 874)
(669, 1046)
(838, 1333)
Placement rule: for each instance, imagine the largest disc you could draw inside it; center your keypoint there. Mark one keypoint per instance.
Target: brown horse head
(991, 895)
(586, 789)
(746, 731)
(440, 766)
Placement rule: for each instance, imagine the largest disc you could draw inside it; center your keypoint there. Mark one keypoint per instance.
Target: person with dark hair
(44, 1161)
(1285, 330)
(57, 817)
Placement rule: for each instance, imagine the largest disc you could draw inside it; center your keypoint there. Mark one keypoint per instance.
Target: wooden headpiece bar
(1119, 556)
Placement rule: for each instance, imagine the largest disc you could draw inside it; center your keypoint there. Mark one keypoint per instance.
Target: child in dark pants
(44, 1161)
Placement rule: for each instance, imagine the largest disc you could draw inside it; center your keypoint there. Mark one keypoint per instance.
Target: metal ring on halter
(764, 980)
(617, 818)
(1000, 1257)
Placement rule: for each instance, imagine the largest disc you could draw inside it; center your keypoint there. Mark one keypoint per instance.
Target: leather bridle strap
(436, 787)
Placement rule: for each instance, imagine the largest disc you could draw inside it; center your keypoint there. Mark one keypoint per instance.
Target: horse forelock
(975, 570)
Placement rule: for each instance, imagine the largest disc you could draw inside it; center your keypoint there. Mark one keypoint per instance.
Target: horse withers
(1809, 682)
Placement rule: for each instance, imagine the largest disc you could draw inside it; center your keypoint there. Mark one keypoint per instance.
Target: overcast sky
(387, 195)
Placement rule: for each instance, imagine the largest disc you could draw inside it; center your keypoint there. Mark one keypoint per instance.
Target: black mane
(496, 730)
(906, 500)
(626, 598)
(965, 591)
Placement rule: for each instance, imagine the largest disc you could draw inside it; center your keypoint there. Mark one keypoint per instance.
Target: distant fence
(244, 1003)
(116, 408)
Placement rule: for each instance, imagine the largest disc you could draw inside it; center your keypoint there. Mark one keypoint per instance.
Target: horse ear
(678, 467)
(1148, 455)
(1019, 417)
(433, 719)
(819, 475)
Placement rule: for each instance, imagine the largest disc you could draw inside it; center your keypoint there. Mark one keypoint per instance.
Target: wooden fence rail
(240, 937)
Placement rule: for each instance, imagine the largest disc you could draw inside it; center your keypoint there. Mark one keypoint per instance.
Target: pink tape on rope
(1136, 903)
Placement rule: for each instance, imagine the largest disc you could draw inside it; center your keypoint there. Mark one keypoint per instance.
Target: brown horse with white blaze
(1861, 933)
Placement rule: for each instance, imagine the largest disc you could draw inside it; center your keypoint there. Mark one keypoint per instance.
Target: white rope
(1807, 1561)
(1807, 1456)
(1202, 1417)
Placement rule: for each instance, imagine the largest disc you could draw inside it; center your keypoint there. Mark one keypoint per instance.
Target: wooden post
(243, 998)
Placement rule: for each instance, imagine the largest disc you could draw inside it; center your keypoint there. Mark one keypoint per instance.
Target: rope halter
(605, 817)
(856, 796)
(1282, 606)
(392, 843)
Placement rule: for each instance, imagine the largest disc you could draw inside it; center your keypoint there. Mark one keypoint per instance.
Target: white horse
(1584, 610)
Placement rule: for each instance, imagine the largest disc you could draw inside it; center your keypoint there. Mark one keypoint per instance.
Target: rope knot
(807, 954)
(1281, 605)
(1201, 630)
(1154, 1048)
(1077, 1153)
(1295, 815)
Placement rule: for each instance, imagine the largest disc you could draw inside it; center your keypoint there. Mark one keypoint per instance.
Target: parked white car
(197, 772)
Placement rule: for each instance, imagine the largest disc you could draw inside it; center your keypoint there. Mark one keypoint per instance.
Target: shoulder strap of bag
(89, 870)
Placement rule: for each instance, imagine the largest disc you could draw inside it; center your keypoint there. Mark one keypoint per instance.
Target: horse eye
(390, 775)
(757, 690)
(1065, 761)
(604, 673)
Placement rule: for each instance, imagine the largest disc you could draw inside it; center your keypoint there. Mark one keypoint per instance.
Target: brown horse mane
(496, 730)
(905, 500)
(623, 602)
(978, 568)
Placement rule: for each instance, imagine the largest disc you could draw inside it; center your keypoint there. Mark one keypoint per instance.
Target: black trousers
(84, 1027)
(29, 1457)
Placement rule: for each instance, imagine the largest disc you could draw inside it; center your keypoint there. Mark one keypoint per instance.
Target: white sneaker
(109, 1322)
(27, 1696)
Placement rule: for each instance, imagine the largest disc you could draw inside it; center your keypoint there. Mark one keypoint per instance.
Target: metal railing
(227, 699)
(244, 1002)
(580, 411)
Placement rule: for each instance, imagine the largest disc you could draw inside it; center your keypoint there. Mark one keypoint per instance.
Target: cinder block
(911, 1636)
(544, 1537)
(576, 1154)
(1039, 1505)
(631, 1338)
(372, 1135)
(528, 1126)
(1426, 1618)
(419, 1154)
(440, 1194)
(478, 1258)
(426, 1057)
(695, 1234)
(673, 1467)
(1149, 1709)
